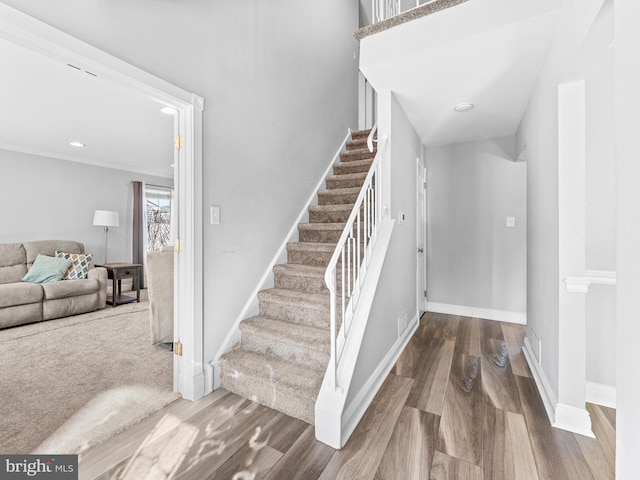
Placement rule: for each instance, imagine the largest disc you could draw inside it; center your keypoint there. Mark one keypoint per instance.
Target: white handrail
(370, 138)
(353, 251)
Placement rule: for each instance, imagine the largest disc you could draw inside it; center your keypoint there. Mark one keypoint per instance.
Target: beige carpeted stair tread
(299, 270)
(276, 369)
(358, 143)
(355, 166)
(310, 253)
(360, 134)
(291, 341)
(321, 226)
(330, 213)
(321, 232)
(345, 207)
(349, 176)
(338, 196)
(295, 306)
(285, 386)
(311, 247)
(306, 278)
(346, 180)
(281, 295)
(340, 191)
(361, 154)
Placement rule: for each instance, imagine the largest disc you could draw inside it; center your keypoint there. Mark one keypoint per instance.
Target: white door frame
(39, 37)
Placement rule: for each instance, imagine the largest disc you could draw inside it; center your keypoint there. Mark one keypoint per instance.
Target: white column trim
(601, 277)
(576, 284)
(573, 419)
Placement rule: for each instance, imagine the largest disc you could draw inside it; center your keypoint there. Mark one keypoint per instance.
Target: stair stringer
(334, 421)
(252, 306)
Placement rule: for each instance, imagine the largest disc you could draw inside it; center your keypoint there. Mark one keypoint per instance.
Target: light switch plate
(215, 215)
(511, 221)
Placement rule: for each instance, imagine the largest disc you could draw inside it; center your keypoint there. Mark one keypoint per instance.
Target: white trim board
(600, 394)
(488, 314)
(601, 277)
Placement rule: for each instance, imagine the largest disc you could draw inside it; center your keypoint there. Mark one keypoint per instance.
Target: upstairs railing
(383, 9)
(348, 265)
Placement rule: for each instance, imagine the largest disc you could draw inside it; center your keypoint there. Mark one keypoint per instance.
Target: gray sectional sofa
(23, 302)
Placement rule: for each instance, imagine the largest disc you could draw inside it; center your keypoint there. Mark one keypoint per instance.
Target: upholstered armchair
(159, 277)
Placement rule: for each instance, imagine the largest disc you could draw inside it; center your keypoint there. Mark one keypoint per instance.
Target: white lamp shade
(106, 218)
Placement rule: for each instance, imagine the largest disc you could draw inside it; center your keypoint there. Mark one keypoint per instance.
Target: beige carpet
(67, 384)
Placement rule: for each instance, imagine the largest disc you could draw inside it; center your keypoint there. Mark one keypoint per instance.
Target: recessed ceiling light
(463, 107)
(168, 110)
(77, 144)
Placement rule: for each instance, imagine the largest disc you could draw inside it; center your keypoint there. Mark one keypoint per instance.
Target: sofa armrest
(100, 274)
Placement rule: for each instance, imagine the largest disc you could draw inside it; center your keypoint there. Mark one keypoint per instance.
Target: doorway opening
(39, 37)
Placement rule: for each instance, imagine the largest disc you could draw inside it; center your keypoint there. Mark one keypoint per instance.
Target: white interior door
(421, 230)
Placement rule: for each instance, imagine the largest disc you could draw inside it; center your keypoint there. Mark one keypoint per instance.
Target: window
(158, 211)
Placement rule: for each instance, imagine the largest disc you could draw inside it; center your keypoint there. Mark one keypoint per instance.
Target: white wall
(473, 259)
(280, 87)
(397, 288)
(627, 119)
(50, 199)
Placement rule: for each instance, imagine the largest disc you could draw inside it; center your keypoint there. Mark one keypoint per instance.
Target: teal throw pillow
(47, 269)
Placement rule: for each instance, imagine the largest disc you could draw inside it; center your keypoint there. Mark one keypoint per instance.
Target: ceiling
(485, 52)
(45, 104)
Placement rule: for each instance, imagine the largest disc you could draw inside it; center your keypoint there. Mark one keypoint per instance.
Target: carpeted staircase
(285, 349)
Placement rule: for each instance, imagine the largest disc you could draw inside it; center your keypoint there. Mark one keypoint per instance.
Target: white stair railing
(347, 268)
(383, 9)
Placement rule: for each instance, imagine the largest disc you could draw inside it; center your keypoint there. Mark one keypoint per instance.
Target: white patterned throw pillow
(80, 264)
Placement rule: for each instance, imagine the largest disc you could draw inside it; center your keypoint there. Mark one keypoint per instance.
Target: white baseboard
(364, 397)
(600, 394)
(576, 420)
(565, 417)
(544, 387)
(488, 314)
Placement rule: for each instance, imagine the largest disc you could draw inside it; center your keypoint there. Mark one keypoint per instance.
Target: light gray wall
(473, 259)
(279, 81)
(397, 288)
(539, 131)
(601, 214)
(45, 198)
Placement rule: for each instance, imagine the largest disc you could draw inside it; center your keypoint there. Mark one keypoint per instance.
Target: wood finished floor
(459, 404)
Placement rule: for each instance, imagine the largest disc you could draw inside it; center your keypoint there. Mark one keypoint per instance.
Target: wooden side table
(118, 271)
